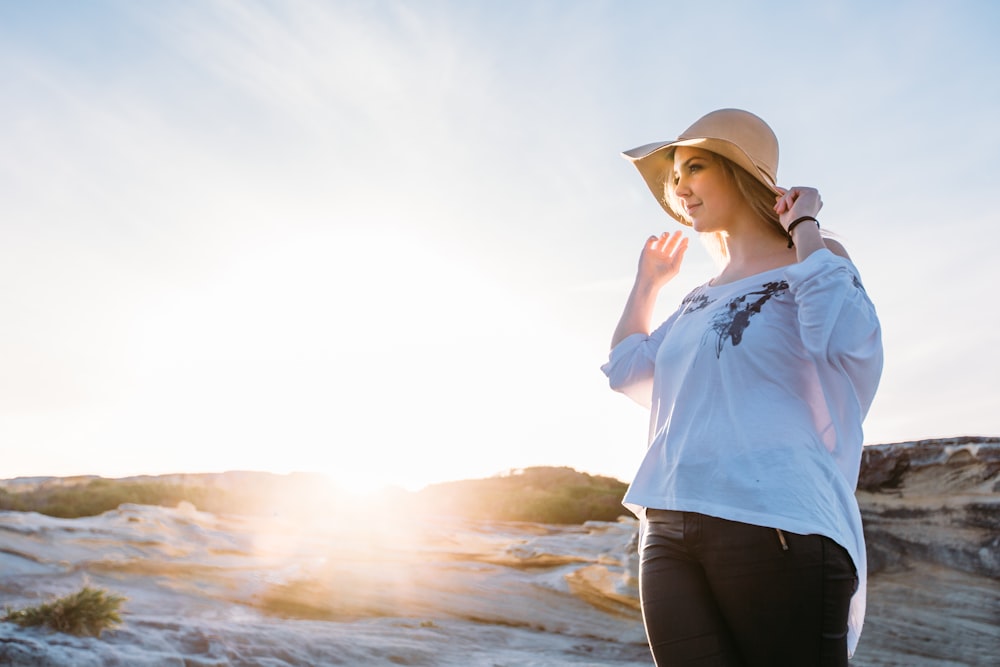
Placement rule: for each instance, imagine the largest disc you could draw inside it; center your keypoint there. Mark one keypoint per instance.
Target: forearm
(807, 239)
(638, 313)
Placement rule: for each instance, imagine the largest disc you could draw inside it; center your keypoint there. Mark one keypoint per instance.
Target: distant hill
(540, 494)
(236, 492)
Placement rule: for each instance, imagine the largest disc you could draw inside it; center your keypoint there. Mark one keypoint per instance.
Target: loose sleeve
(632, 362)
(840, 330)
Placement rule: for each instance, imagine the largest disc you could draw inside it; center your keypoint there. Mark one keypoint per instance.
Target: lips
(691, 207)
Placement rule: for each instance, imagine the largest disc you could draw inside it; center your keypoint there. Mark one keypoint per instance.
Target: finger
(681, 249)
(672, 243)
(785, 200)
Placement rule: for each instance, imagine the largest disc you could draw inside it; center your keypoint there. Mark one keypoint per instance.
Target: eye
(693, 167)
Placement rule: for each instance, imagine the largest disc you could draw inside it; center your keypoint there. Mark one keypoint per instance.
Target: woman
(751, 548)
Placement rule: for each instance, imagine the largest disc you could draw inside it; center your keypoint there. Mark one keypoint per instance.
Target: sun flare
(310, 355)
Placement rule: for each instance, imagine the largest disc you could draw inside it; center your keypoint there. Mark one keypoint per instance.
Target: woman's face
(703, 188)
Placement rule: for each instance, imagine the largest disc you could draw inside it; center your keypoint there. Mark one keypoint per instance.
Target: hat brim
(655, 162)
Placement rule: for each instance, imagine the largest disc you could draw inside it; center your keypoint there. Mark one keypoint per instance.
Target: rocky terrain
(383, 588)
(932, 524)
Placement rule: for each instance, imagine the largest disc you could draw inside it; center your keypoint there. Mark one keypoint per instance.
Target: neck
(752, 249)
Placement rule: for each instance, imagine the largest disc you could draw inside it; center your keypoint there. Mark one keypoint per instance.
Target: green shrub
(88, 612)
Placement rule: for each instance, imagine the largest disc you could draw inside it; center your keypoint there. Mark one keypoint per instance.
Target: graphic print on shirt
(695, 301)
(733, 321)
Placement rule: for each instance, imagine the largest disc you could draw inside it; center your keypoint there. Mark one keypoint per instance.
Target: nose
(681, 188)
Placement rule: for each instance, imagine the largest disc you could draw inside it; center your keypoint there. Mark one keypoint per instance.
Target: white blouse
(757, 390)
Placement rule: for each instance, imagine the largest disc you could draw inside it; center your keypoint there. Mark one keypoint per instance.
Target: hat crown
(744, 130)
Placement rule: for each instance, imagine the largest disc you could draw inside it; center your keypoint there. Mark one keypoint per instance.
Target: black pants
(718, 593)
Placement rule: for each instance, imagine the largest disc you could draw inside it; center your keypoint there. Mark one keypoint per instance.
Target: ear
(836, 248)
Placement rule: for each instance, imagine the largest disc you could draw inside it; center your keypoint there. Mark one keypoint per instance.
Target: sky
(389, 241)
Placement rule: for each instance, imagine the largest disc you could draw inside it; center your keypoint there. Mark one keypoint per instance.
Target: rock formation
(932, 524)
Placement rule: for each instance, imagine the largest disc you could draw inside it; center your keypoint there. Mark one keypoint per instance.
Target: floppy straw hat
(733, 133)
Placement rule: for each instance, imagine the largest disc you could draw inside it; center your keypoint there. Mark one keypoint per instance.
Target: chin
(702, 227)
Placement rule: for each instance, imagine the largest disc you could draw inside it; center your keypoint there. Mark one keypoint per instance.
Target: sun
(337, 353)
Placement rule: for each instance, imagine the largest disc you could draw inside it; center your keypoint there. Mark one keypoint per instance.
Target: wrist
(646, 287)
(805, 221)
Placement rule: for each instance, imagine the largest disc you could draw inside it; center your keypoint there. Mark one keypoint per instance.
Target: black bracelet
(794, 223)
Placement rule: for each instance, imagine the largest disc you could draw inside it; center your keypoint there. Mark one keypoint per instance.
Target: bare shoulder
(837, 248)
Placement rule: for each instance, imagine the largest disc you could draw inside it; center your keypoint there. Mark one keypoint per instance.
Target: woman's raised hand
(796, 202)
(661, 259)
(659, 262)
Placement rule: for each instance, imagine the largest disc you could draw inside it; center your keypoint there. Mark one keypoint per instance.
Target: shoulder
(836, 247)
